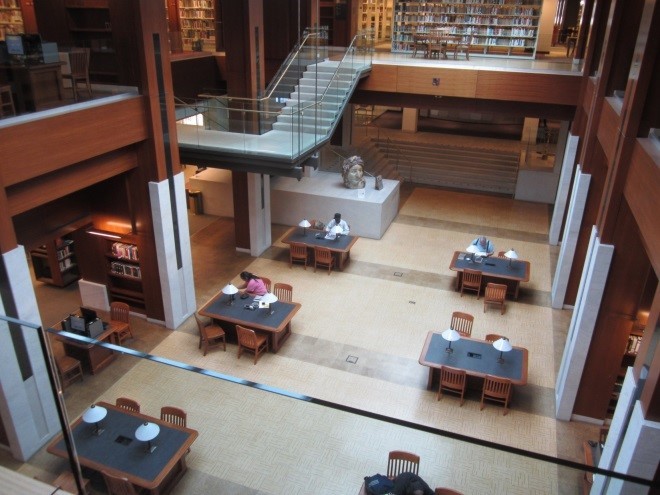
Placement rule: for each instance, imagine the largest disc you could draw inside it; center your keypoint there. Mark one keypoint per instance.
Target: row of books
(123, 250)
(65, 264)
(125, 269)
(634, 341)
(64, 251)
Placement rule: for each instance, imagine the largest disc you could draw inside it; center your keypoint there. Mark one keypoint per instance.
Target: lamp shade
(269, 298)
(229, 289)
(304, 223)
(451, 335)
(94, 414)
(511, 254)
(147, 431)
(502, 345)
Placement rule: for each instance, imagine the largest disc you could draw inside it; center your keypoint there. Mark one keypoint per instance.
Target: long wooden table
(477, 357)
(93, 357)
(499, 270)
(340, 247)
(117, 451)
(274, 321)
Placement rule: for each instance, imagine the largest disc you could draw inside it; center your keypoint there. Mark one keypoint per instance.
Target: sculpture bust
(352, 171)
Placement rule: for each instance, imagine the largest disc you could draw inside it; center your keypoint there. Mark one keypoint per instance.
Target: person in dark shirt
(410, 484)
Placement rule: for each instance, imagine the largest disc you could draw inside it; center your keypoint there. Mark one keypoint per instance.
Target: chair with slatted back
(173, 415)
(452, 380)
(118, 486)
(446, 491)
(298, 254)
(128, 404)
(284, 292)
(471, 280)
(210, 335)
(249, 340)
(399, 461)
(492, 337)
(495, 294)
(462, 323)
(267, 282)
(79, 64)
(498, 390)
(69, 370)
(501, 254)
(323, 258)
(119, 312)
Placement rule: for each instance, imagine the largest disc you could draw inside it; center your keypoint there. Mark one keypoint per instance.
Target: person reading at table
(252, 285)
(484, 245)
(338, 221)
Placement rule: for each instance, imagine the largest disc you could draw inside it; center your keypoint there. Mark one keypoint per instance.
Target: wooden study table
(493, 269)
(275, 324)
(340, 247)
(37, 86)
(117, 451)
(477, 357)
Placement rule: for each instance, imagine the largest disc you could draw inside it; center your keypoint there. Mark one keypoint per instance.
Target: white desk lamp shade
(229, 289)
(511, 254)
(94, 414)
(304, 223)
(451, 335)
(269, 298)
(502, 345)
(147, 431)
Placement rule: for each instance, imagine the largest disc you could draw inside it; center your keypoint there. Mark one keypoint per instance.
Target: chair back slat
(462, 323)
(173, 415)
(284, 292)
(400, 461)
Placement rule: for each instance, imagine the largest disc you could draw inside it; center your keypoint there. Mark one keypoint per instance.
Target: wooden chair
(497, 390)
(452, 380)
(446, 491)
(79, 63)
(249, 340)
(119, 311)
(69, 370)
(492, 337)
(284, 292)
(462, 323)
(7, 108)
(495, 294)
(129, 404)
(173, 415)
(399, 461)
(460, 45)
(210, 335)
(323, 257)
(471, 280)
(267, 283)
(118, 486)
(298, 253)
(66, 482)
(501, 254)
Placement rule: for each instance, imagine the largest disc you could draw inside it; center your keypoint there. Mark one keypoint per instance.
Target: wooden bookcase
(377, 16)
(197, 22)
(124, 272)
(499, 27)
(11, 18)
(55, 262)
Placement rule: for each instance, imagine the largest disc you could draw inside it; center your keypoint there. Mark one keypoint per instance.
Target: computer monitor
(15, 44)
(88, 314)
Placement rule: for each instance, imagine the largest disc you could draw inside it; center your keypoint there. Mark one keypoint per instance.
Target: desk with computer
(34, 70)
(92, 356)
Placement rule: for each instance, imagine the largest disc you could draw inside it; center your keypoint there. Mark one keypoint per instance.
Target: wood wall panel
(520, 86)
(641, 193)
(608, 129)
(382, 78)
(437, 82)
(70, 138)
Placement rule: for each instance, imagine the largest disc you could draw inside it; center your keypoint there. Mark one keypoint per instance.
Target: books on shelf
(123, 250)
(125, 269)
(634, 342)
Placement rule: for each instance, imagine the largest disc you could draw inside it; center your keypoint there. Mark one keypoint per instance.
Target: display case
(500, 27)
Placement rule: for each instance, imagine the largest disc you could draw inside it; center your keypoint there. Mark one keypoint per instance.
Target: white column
(581, 328)
(259, 207)
(567, 166)
(177, 283)
(27, 405)
(570, 237)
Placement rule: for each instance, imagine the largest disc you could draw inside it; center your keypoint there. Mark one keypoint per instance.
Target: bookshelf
(55, 262)
(197, 22)
(124, 273)
(376, 15)
(11, 18)
(500, 27)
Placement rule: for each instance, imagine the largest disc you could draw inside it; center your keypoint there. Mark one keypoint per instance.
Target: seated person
(338, 221)
(484, 245)
(253, 285)
(410, 484)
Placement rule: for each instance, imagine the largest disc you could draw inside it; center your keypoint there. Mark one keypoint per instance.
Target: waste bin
(196, 199)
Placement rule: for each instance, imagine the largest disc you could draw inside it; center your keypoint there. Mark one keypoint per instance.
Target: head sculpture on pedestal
(352, 171)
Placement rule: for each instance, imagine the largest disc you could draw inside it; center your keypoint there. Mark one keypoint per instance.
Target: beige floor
(356, 343)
